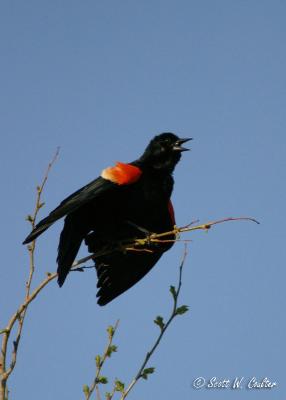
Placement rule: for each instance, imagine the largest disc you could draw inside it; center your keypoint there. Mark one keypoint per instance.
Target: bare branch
(32, 219)
(20, 314)
(138, 244)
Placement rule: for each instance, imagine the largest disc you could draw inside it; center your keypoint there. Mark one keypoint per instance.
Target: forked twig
(138, 244)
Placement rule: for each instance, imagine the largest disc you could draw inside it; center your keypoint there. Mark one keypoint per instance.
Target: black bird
(126, 202)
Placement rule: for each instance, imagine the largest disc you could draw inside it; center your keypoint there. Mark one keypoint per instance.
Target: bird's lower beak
(177, 146)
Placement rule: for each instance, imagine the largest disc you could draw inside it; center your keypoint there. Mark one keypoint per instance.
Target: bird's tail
(70, 241)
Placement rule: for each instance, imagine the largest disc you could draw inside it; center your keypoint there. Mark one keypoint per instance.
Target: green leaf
(110, 331)
(173, 292)
(111, 349)
(108, 396)
(119, 386)
(98, 361)
(102, 379)
(159, 321)
(182, 310)
(85, 390)
(146, 372)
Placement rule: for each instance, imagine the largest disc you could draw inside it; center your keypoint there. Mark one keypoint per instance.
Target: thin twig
(163, 330)
(137, 244)
(20, 314)
(100, 360)
(32, 219)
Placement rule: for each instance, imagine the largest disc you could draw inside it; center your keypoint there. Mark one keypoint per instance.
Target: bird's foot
(147, 240)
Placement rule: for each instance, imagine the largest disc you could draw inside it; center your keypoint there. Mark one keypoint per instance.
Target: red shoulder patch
(122, 174)
(171, 212)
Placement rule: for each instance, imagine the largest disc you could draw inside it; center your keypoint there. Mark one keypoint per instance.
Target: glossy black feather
(118, 272)
(69, 205)
(105, 214)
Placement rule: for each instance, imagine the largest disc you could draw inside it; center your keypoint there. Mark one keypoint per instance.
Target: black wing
(119, 271)
(71, 204)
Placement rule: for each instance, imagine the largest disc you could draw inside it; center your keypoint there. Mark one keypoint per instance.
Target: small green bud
(85, 390)
(173, 292)
(110, 331)
(159, 321)
(111, 349)
(102, 379)
(29, 218)
(98, 361)
(119, 386)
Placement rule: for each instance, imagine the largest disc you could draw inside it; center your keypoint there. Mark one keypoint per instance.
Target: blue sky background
(99, 79)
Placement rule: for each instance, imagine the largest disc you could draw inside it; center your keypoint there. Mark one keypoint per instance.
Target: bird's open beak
(177, 146)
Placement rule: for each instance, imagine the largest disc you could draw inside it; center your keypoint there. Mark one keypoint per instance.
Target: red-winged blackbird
(126, 202)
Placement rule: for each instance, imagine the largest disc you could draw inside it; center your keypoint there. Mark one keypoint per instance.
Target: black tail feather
(70, 241)
(119, 271)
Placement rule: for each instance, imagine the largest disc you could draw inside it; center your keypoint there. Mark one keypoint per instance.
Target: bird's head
(164, 151)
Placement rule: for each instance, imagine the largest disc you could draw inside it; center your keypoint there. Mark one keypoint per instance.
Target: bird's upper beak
(177, 146)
